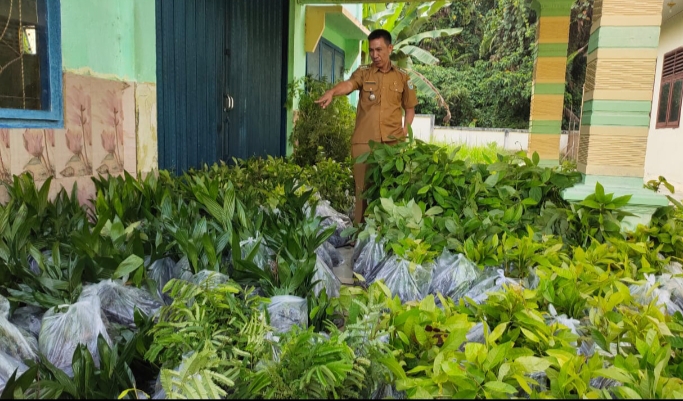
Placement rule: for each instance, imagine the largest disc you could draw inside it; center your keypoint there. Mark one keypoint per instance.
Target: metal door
(221, 80)
(191, 82)
(257, 47)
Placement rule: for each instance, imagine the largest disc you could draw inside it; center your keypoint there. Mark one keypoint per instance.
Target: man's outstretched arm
(341, 89)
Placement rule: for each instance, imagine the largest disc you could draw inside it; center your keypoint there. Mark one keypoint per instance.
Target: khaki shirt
(380, 119)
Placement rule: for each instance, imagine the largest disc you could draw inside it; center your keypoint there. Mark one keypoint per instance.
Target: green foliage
(311, 366)
(475, 202)
(224, 319)
(293, 233)
(197, 378)
(485, 94)
(320, 133)
(88, 382)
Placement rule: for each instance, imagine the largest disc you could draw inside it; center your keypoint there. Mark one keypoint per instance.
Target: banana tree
(404, 21)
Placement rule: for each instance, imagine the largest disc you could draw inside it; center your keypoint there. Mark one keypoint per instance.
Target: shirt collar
(376, 69)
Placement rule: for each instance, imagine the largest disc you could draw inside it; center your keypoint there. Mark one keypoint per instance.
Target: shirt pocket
(396, 90)
(370, 92)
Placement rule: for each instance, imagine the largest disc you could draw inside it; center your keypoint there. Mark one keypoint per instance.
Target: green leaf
(536, 158)
(132, 263)
(614, 373)
(424, 190)
(536, 194)
(532, 364)
(500, 387)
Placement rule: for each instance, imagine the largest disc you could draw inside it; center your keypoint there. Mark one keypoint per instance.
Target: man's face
(380, 52)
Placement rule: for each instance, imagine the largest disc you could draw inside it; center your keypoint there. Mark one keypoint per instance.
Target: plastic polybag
(28, 318)
(286, 311)
(409, 281)
(329, 254)
(453, 275)
(322, 254)
(649, 290)
(164, 270)
(67, 326)
(388, 392)
(672, 281)
(476, 334)
(4, 307)
(263, 256)
(326, 279)
(333, 217)
(16, 343)
(210, 279)
(335, 255)
(490, 281)
(367, 255)
(8, 365)
(118, 301)
(603, 383)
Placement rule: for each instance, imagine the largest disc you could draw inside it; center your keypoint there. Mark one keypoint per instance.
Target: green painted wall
(110, 38)
(297, 56)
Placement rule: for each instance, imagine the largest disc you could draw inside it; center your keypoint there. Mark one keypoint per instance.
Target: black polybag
(118, 301)
(164, 270)
(333, 217)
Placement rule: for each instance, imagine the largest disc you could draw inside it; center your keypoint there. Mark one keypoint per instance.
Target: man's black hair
(380, 34)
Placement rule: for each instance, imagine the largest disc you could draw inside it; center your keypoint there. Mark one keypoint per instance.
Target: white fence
(509, 139)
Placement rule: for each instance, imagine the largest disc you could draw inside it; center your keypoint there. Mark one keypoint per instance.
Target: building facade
(90, 87)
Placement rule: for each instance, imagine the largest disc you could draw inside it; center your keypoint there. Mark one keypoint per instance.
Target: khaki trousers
(359, 176)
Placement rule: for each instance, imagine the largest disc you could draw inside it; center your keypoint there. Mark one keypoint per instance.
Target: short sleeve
(357, 79)
(409, 94)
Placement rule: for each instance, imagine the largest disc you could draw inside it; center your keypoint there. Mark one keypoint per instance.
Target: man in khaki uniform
(384, 90)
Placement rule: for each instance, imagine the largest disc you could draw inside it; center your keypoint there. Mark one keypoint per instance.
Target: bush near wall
(320, 133)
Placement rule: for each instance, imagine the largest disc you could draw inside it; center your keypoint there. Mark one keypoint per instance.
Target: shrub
(320, 133)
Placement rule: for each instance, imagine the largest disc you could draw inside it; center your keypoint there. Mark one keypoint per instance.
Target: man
(384, 90)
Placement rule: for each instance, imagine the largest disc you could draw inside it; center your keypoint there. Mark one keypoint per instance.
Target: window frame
(51, 77)
(671, 80)
(335, 49)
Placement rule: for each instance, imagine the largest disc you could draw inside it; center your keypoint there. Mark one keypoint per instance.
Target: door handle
(228, 102)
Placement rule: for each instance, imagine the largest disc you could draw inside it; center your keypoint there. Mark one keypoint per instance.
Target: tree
(404, 21)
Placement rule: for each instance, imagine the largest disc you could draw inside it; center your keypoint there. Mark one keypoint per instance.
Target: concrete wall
(515, 139)
(664, 155)
(109, 70)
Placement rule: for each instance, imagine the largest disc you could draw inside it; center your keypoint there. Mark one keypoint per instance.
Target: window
(327, 62)
(30, 64)
(671, 91)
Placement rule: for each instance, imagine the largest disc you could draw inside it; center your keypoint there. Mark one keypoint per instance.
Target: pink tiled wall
(99, 138)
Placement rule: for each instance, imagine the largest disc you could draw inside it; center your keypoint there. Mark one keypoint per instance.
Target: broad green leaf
(500, 387)
(128, 266)
(614, 373)
(532, 364)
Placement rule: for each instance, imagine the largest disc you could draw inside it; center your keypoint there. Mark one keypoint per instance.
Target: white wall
(664, 155)
(516, 139)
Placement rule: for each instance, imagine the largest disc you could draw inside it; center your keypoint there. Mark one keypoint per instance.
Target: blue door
(221, 80)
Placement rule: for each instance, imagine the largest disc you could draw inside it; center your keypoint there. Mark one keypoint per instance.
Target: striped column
(550, 67)
(622, 56)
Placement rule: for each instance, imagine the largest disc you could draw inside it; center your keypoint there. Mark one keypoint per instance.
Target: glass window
(30, 64)
(327, 71)
(327, 62)
(676, 95)
(663, 103)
